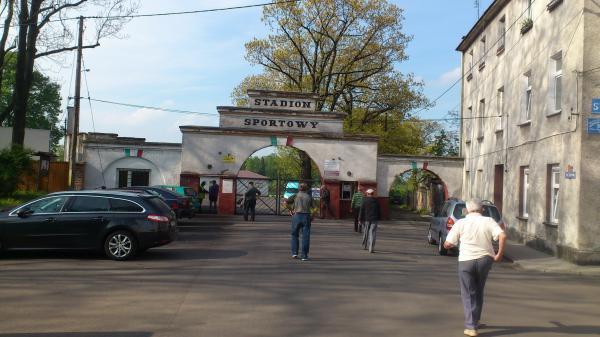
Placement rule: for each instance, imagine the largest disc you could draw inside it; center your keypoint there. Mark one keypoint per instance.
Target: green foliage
(43, 106)
(284, 163)
(13, 163)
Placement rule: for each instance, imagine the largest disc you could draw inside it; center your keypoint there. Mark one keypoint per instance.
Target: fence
(56, 179)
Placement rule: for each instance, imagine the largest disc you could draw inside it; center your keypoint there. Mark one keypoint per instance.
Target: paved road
(225, 279)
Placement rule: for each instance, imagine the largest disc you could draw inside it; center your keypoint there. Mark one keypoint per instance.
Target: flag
(273, 141)
(289, 141)
(414, 165)
(136, 152)
(425, 165)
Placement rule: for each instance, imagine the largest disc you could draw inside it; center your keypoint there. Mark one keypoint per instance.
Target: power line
(199, 11)
(150, 107)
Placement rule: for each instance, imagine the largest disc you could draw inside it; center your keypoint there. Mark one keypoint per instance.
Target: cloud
(448, 77)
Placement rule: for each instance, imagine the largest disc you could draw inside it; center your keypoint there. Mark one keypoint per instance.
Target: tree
(444, 144)
(43, 30)
(345, 51)
(43, 106)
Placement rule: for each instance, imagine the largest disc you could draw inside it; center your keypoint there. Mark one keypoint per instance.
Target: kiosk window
(347, 191)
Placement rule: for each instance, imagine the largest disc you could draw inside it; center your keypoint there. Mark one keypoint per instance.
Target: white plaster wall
(589, 175)
(450, 171)
(202, 149)
(548, 139)
(35, 139)
(164, 163)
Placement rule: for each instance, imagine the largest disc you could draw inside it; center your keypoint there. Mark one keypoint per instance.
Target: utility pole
(77, 106)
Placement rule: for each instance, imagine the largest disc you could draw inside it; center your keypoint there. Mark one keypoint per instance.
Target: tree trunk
(19, 112)
(305, 166)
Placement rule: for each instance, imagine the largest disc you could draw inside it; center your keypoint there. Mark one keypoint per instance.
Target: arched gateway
(274, 119)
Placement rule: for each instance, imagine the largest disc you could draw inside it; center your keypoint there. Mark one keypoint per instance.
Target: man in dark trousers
(301, 222)
(325, 197)
(370, 215)
(250, 201)
(475, 234)
(355, 204)
(213, 196)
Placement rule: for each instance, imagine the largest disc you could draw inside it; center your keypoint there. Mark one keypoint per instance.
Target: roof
(488, 16)
(244, 174)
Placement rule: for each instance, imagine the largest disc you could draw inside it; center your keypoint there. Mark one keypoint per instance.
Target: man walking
(355, 204)
(370, 214)
(250, 201)
(475, 233)
(201, 195)
(325, 197)
(301, 222)
(213, 196)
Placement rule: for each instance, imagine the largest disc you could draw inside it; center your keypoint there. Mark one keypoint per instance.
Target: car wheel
(120, 245)
(430, 237)
(441, 250)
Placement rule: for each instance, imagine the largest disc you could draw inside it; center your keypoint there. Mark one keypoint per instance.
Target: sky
(193, 62)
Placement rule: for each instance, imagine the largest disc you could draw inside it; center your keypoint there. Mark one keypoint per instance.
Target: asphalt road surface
(228, 278)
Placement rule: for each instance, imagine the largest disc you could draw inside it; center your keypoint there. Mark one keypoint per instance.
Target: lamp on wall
(349, 173)
(209, 166)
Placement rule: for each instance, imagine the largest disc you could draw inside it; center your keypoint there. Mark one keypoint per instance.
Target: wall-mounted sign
(281, 123)
(570, 172)
(593, 126)
(283, 103)
(229, 159)
(596, 106)
(332, 168)
(227, 186)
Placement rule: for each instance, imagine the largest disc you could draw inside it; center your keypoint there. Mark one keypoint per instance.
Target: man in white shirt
(475, 234)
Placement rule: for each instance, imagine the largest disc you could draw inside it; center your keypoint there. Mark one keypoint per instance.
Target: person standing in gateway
(250, 201)
(355, 205)
(475, 233)
(213, 196)
(370, 214)
(201, 195)
(301, 222)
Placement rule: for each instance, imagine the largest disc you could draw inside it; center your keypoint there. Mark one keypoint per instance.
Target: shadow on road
(79, 334)
(558, 329)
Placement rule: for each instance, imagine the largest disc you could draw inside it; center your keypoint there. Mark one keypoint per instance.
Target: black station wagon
(119, 223)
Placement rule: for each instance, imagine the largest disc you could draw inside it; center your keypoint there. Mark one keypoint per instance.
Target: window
(528, 97)
(524, 190)
(128, 178)
(528, 3)
(500, 109)
(553, 189)
(482, 53)
(89, 204)
(43, 206)
(556, 90)
(347, 189)
(467, 184)
(501, 34)
(480, 120)
(120, 205)
(479, 184)
(468, 123)
(469, 65)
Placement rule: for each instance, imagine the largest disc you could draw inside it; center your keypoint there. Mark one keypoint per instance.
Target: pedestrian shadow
(79, 334)
(558, 329)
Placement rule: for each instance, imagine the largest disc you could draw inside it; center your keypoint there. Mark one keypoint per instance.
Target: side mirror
(24, 213)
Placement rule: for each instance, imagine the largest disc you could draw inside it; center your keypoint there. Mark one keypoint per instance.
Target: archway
(276, 171)
(417, 190)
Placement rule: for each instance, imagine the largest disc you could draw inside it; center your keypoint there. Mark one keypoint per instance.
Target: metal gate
(274, 194)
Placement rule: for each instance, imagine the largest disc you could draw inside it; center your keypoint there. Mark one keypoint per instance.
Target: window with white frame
(524, 189)
(470, 59)
(554, 188)
(468, 184)
(479, 184)
(480, 119)
(500, 109)
(501, 33)
(557, 83)
(528, 97)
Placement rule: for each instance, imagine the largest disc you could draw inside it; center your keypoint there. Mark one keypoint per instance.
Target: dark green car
(185, 191)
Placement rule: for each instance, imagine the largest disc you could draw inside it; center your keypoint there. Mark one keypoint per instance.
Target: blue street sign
(570, 175)
(593, 126)
(596, 106)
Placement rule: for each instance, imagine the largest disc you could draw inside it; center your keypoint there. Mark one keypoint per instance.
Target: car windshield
(492, 212)
(460, 211)
(159, 205)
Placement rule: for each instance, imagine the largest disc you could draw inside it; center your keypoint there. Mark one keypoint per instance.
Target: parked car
(119, 223)
(181, 205)
(291, 188)
(452, 211)
(185, 191)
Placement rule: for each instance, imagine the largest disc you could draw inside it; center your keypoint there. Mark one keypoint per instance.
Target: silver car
(452, 211)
